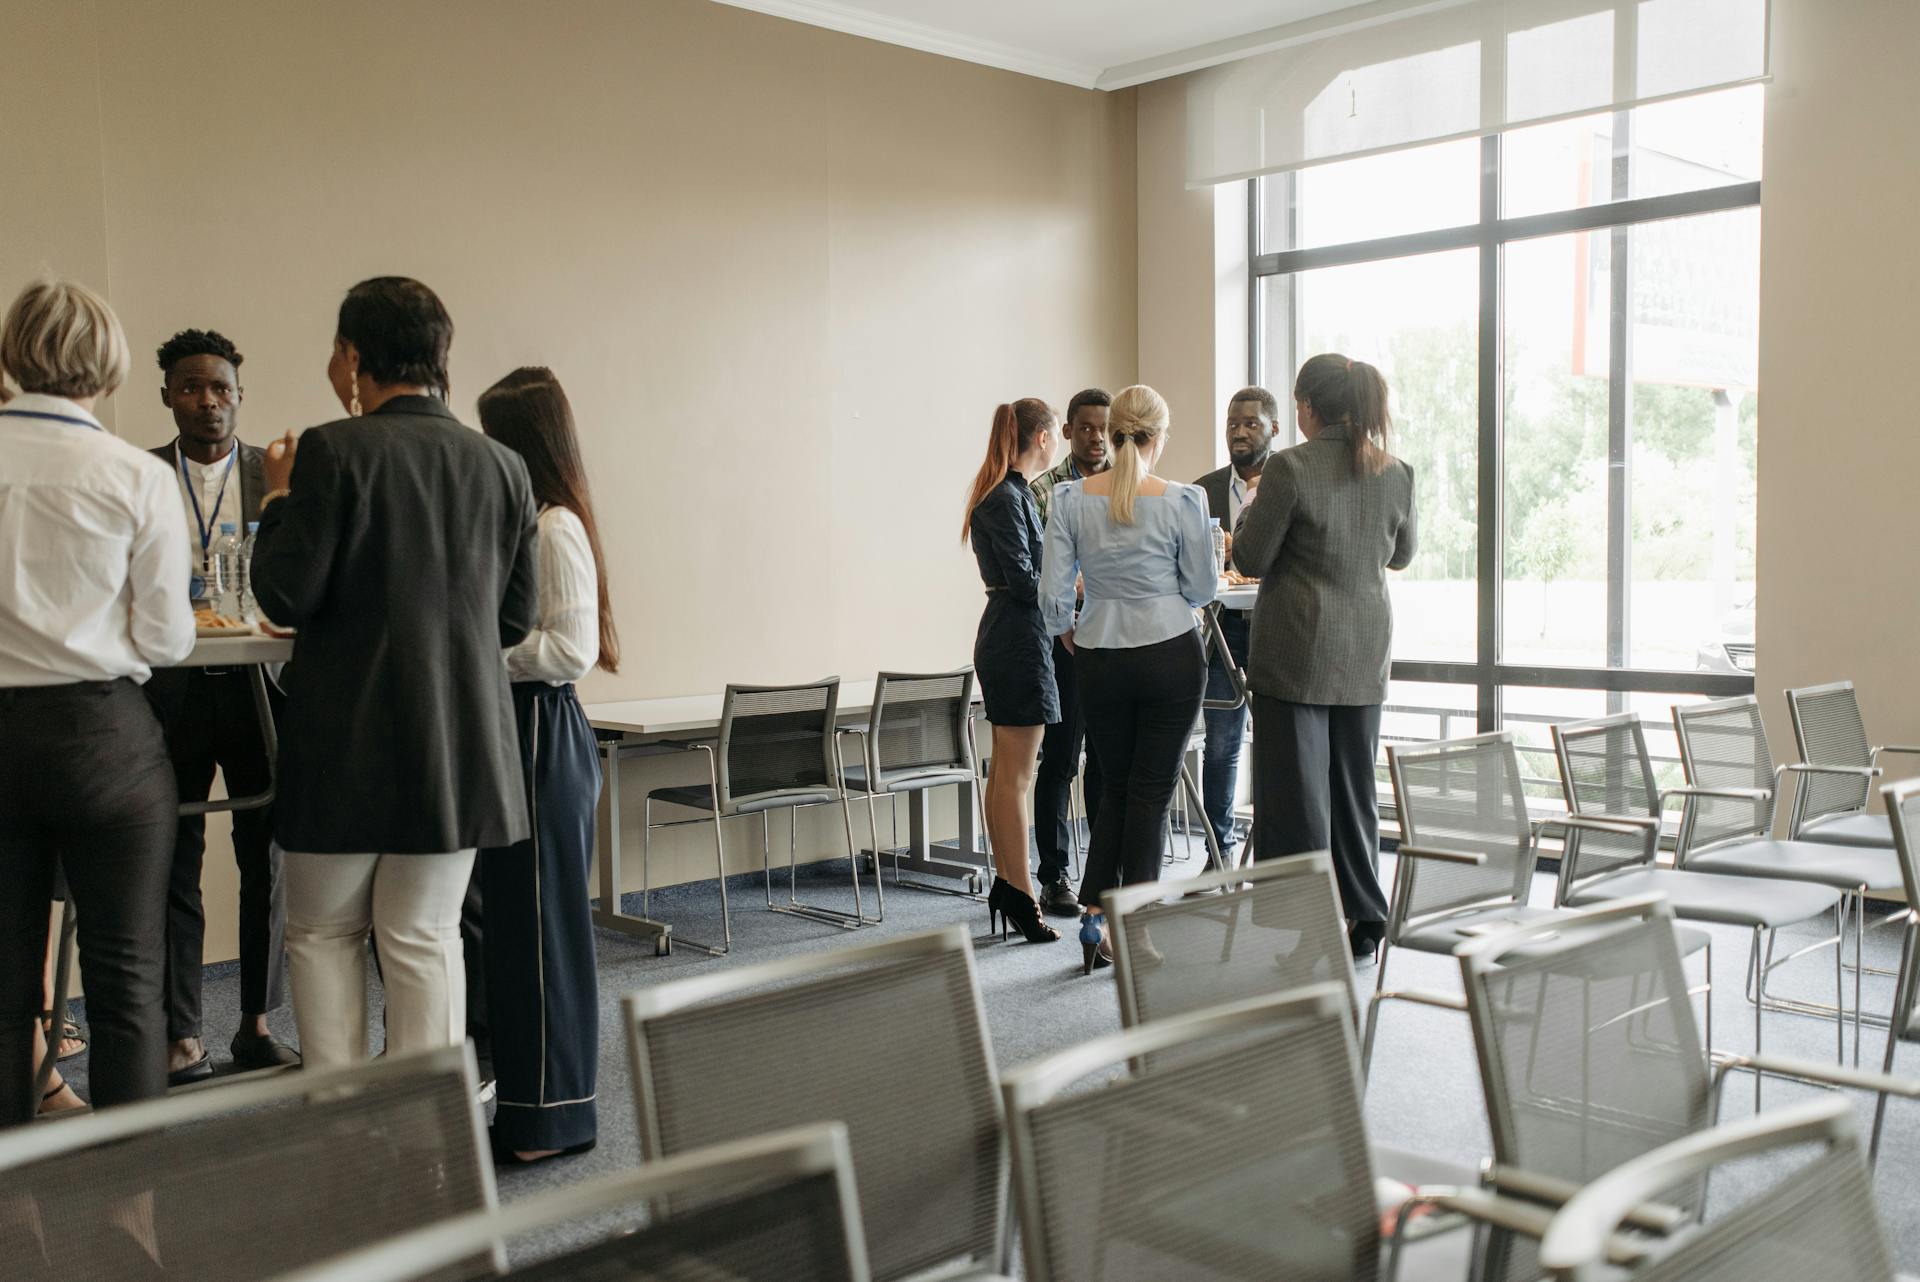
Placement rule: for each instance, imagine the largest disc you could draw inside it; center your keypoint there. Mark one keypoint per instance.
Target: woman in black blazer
(400, 543)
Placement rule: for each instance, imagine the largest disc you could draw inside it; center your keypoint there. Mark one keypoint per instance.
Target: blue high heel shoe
(1094, 950)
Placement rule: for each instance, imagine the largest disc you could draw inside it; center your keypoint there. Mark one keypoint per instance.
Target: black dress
(1012, 653)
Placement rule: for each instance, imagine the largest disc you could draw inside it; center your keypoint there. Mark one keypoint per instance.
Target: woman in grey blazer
(1329, 518)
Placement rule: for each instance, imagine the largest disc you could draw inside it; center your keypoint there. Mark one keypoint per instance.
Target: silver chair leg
(1907, 943)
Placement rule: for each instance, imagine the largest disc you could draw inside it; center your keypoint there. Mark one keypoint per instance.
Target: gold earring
(353, 406)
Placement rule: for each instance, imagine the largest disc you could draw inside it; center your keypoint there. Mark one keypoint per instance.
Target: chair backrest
(919, 723)
(1589, 1052)
(1248, 1159)
(777, 739)
(1605, 770)
(1816, 1220)
(1828, 731)
(887, 1037)
(777, 1208)
(1186, 945)
(1465, 795)
(1903, 816)
(1723, 744)
(246, 1180)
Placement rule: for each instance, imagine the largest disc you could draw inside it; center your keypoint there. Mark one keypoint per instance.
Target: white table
(656, 727)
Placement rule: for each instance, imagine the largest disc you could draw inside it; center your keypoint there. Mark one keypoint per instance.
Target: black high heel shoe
(1007, 906)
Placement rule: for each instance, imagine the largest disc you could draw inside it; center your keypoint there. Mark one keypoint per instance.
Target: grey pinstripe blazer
(1321, 540)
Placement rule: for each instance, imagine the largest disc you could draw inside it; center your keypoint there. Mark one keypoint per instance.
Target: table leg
(606, 912)
(931, 858)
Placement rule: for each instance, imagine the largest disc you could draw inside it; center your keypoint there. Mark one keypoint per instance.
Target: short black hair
(198, 342)
(401, 330)
(1269, 404)
(1096, 396)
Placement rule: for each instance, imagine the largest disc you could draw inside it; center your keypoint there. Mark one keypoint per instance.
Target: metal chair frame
(658, 1000)
(1798, 822)
(1853, 899)
(1581, 1244)
(725, 806)
(820, 1149)
(869, 737)
(1902, 1025)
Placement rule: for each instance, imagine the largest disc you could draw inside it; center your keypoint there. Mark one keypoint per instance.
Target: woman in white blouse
(94, 598)
(543, 998)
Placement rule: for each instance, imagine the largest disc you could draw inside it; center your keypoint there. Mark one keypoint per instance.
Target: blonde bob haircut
(61, 339)
(1138, 418)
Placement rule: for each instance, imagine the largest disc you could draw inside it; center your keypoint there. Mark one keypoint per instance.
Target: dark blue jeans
(1226, 732)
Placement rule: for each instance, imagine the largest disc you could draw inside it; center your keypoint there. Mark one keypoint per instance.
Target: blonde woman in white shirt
(95, 599)
(542, 991)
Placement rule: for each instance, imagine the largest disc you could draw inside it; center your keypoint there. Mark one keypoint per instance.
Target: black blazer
(253, 483)
(1219, 487)
(405, 556)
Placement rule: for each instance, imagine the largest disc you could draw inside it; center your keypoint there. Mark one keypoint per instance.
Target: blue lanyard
(52, 418)
(193, 492)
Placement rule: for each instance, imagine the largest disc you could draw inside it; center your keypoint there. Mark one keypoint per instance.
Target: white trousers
(411, 903)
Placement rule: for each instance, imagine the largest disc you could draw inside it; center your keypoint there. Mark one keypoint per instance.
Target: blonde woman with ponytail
(1331, 516)
(1141, 547)
(1012, 653)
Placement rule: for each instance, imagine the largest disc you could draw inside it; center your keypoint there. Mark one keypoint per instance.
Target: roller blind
(1419, 73)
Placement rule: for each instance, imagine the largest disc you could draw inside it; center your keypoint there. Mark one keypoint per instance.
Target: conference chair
(1590, 1057)
(919, 735)
(1830, 803)
(887, 1036)
(1465, 862)
(1247, 1157)
(1727, 815)
(245, 1180)
(1817, 1219)
(777, 750)
(776, 1208)
(1606, 774)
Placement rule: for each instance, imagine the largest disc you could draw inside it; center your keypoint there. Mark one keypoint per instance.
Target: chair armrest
(1653, 1217)
(1816, 1072)
(1722, 794)
(1442, 855)
(1619, 825)
(1809, 768)
(1529, 1219)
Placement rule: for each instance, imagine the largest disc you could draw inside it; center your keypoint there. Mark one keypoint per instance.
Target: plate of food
(211, 623)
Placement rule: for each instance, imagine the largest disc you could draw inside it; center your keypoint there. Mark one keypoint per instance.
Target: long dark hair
(1350, 394)
(1014, 427)
(527, 411)
(401, 330)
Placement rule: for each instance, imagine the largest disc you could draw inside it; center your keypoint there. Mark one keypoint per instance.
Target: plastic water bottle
(249, 608)
(223, 586)
(1219, 547)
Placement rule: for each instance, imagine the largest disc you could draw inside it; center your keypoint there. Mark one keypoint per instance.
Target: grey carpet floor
(1424, 1094)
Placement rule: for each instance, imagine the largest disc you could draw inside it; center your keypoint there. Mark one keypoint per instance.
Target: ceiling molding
(1218, 52)
(914, 35)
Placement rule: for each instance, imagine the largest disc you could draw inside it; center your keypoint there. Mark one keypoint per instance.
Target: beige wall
(785, 274)
(1839, 319)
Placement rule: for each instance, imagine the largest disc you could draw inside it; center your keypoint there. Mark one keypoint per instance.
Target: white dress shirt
(96, 549)
(216, 504)
(565, 643)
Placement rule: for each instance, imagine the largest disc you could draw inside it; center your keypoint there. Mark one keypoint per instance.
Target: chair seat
(1715, 897)
(1824, 863)
(1851, 830)
(699, 796)
(909, 780)
(1449, 933)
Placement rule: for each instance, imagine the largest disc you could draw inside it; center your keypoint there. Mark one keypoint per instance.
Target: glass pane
(1422, 712)
(1686, 144)
(1554, 605)
(1529, 711)
(1694, 288)
(1394, 194)
(1416, 319)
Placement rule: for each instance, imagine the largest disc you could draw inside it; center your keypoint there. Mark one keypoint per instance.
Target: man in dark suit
(1253, 427)
(209, 719)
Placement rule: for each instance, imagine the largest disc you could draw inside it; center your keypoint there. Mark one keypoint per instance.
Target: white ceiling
(1105, 44)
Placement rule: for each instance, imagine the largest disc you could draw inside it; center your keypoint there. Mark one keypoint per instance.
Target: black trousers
(1141, 706)
(1313, 789)
(1053, 782)
(85, 784)
(543, 994)
(210, 721)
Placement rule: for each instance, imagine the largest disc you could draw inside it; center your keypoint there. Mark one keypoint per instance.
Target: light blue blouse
(1143, 581)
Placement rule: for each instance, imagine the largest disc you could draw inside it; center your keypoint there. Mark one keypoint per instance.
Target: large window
(1567, 317)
